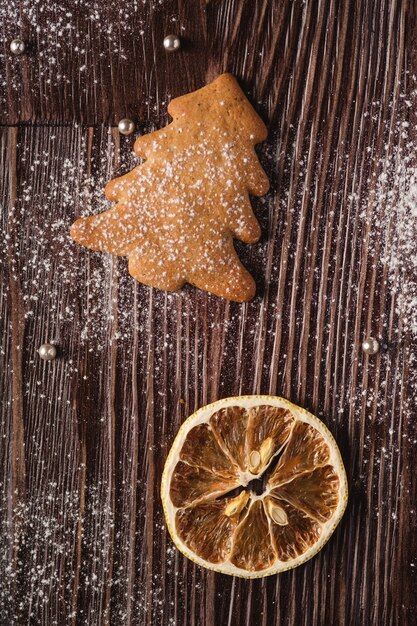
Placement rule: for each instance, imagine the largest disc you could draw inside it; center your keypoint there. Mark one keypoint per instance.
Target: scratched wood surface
(84, 438)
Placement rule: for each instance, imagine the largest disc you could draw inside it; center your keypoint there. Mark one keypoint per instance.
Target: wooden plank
(96, 62)
(83, 537)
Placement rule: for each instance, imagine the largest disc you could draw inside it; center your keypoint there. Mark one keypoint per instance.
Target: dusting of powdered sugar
(389, 215)
(395, 213)
(56, 35)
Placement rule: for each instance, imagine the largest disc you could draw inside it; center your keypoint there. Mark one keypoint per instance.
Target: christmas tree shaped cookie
(177, 213)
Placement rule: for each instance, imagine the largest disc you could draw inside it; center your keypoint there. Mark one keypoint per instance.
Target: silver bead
(47, 351)
(126, 126)
(172, 43)
(17, 46)
(370, 346)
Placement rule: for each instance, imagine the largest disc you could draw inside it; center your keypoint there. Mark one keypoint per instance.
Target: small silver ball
(126, 126)
(172, 43)
(17, 47)
(370, 346)
(47, 351)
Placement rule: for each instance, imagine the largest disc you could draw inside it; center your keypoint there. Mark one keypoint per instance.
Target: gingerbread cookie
(177, 213)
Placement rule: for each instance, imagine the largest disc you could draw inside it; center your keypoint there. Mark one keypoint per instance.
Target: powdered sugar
(64, 40)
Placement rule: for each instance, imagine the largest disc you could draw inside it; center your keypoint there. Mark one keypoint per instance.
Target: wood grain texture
(93, 62)
(84, 438)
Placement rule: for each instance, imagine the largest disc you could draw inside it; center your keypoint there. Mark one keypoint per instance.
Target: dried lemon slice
(253, 485)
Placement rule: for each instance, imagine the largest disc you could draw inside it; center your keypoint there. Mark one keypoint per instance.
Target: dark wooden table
(83, 439)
